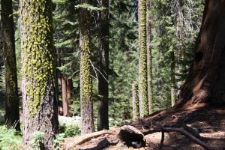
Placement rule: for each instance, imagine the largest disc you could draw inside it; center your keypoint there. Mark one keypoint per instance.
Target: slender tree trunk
(103, 86)
(11, 89)
(143, 81)
(173, 79)
(64, 97)
(135, 101)
(205, 83)
(69, 84)
(39, 85)
(149, 56)
(85, 72)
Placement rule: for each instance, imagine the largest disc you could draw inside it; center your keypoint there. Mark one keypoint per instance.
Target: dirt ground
(208, 123)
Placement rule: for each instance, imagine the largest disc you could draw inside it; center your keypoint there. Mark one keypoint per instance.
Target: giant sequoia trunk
(11, 92)
(205, 83)
(38, 74)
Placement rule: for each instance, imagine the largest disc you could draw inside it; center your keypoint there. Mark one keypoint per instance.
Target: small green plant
(37, 140)
(10, 139)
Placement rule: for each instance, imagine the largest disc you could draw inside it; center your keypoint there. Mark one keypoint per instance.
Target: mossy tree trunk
(143, 81)
(39, 85)
(103, 86)
(85, 71)
(11, 88)
(149, 56)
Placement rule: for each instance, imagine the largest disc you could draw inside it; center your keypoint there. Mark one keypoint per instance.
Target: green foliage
(10, 139)
(37, 139)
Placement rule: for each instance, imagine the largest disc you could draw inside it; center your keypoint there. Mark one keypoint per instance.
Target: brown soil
(207, 122)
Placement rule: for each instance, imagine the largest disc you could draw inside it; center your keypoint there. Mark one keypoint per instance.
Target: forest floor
(206, 125)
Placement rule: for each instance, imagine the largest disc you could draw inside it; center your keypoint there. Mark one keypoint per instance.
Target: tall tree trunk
(85, 72)
(11, 89)
(135, 101)
(64, 97)
(205, 83)
(39, 85)
(69, 85)
(143, 81)
(173, 78)
(103, 86)
(149, 56)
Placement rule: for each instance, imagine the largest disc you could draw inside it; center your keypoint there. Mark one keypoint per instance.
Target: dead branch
(84, 138)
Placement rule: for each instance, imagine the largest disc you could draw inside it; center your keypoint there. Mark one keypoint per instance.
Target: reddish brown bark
(205, 83)
(66, 95)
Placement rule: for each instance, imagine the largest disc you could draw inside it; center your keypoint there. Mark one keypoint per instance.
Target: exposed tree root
(196, 122)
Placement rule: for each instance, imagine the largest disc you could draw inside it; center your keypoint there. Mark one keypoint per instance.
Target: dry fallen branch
(187, 134)
(84, 138)
(137, 136)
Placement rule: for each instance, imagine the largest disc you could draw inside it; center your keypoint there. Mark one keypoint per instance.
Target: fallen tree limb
(103, 143)
(182, 131)
(84, 138)
(135, 135)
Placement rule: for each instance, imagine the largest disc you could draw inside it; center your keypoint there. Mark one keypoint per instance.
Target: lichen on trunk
(38, 73)
(143, 82)
(85, 72)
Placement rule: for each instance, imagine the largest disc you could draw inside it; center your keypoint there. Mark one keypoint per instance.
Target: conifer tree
(149, 54)
(38, 74)
(103, 87)
(85, 71)
(11, 89)
(143, 83)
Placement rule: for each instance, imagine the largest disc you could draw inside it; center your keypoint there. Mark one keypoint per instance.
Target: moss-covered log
(38, 73)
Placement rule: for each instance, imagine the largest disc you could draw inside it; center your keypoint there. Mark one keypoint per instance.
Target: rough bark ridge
(39, 91)
(206, 79)
(11, 92)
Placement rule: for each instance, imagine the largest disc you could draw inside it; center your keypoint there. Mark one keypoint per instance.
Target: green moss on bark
(37, 56)
(143, 83)
(85, 73)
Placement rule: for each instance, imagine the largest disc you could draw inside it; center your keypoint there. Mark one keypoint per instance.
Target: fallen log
(133, 137)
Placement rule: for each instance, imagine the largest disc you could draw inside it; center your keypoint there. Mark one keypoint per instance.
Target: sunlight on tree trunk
(40, 112)
(85, 72)
(143, 81)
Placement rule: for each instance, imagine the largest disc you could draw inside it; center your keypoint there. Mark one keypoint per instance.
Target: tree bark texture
(135, 101)
(64, 97)
(205, 83)
(39, 85)
(143, 81)
(11, 87)
(149, 56)
(85, 72)
(103, 86)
